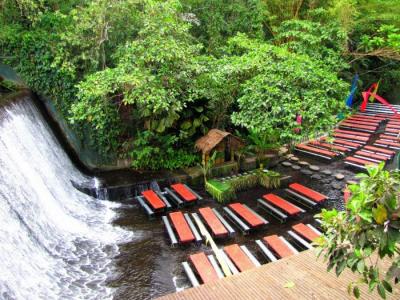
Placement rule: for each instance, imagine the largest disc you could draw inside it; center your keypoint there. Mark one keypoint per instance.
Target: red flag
(369, 93)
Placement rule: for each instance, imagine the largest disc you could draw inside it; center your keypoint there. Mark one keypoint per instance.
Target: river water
(55, 242)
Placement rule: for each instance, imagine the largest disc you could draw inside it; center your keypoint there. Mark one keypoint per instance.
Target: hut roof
(208, 142)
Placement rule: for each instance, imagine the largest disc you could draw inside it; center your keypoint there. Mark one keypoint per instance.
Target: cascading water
(55, 242)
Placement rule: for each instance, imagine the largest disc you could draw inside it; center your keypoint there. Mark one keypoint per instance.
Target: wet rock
(326, 172)
(314, 168)
(326, 180)
(283, 150)
(286, 164)
(339, 176)
(337, 186)
(296, 167)
(316, 177)
(306, 172)
(349, 182)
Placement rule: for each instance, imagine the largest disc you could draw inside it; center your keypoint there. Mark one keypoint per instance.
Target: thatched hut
(217, 140)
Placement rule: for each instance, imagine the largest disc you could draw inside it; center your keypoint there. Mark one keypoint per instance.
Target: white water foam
(55, 242)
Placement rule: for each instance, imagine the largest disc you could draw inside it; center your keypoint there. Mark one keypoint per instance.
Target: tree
(321, 40)
(216, 21)
(261, 142)
(282, 85)
(154, 75)
(367, 232)
(207, 165)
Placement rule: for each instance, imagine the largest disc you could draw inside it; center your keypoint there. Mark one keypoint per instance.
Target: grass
(220, 191)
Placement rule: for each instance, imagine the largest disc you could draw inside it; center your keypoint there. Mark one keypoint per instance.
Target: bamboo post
(214, 248)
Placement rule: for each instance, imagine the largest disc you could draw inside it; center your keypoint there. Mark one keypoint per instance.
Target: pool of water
(148, 267)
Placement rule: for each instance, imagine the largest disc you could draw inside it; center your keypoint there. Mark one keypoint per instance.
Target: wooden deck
(311, 281)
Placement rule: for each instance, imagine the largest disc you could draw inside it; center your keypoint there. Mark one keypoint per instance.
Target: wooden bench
(389, 144)
(279, 207)
(392, 138)
(241, 257)
(326, 154)
(393, 125)
(358, 162)
(182, 195)
(380, 151)
(337, 130)
(279, 246)
(367, 121)
(308, 232)
(371, 123)
(370, 156)
(153, 202)
(305, 195)
(345, 143)
(203, 267)
(392, 131)
(394, 122)
(358, 127)
(369, 117)
(215, 222)
(352, 137)
(244, 217)
(182, 225)
(329, 146)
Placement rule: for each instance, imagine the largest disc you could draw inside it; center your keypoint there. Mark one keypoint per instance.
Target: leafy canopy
(282, 85)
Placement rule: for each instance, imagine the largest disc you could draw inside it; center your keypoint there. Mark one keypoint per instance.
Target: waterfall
(55, 242)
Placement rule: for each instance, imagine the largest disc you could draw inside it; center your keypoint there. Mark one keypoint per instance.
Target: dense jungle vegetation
(144, 78)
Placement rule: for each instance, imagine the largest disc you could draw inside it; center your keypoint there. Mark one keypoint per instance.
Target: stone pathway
(314, 168)
(286, 164)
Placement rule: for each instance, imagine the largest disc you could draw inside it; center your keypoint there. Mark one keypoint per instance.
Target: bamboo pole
(216, 250)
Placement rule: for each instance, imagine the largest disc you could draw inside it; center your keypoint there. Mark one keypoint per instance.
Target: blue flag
(350, 98)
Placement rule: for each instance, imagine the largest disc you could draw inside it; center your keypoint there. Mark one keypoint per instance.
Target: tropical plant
(322, 42)
(207, 164)
(153, 152)
(220, 191)
(261, 142)
(244, 182)
(269, 179)
(367, 232)
(216, 21)
(284, 85)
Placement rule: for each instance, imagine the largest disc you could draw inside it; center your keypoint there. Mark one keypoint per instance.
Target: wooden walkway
(311, 281)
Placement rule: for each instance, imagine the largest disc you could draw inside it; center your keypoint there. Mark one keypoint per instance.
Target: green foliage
(177, 68)
(367, 232)
(155, 152)
(269, 179)
(387, 37)
(284, 85)
(243, 181)
(153, 75)
(28, 11)
(322, 42)
(215, 21)
(8, 85)
(261, 142)
(206, 166)
(222, 192)
(372, 12)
